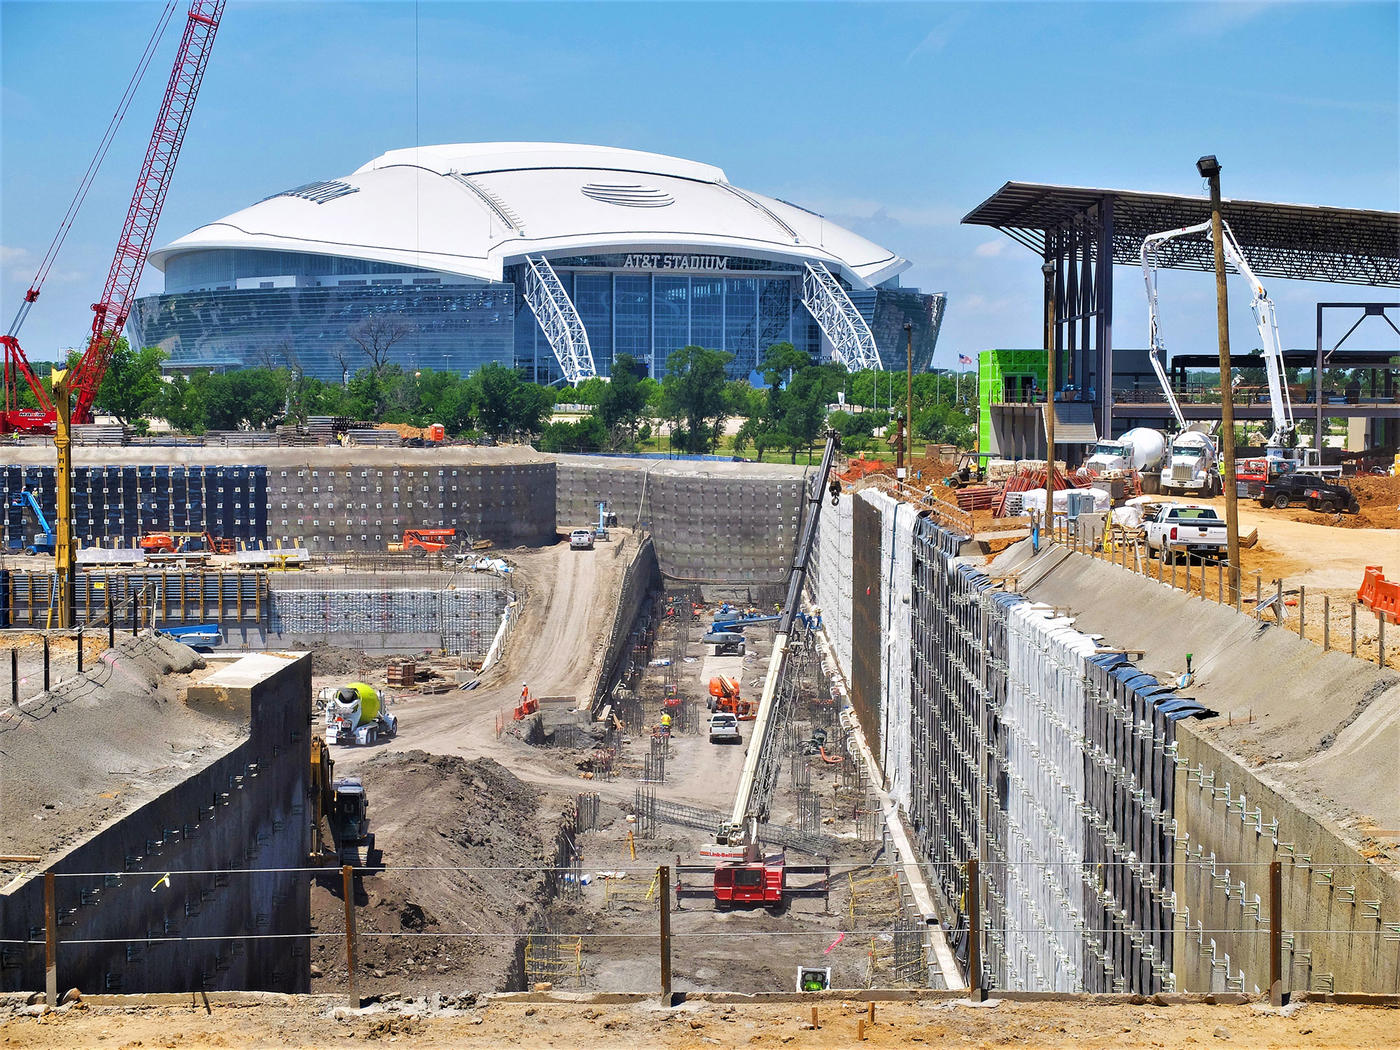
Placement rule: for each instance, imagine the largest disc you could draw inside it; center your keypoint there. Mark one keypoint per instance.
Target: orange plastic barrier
(1380, 594)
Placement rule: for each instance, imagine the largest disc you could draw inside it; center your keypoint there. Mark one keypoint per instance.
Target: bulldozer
(340, 832)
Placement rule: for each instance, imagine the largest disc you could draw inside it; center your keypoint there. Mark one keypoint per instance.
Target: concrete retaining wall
(642, 577)
(452, 612)
(716, 523)
(243, 813)
(1299, 765)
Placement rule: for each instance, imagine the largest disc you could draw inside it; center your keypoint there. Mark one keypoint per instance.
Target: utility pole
(909, 387)
(64, 559)
(1048, 269)
(1209, 168)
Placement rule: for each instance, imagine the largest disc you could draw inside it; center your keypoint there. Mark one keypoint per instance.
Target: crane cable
(89, 176)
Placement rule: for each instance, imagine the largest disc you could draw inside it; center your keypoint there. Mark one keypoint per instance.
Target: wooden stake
(814, 1018)
(1275, 933)
(50, 941)
(664, 875)
(870, 1011)
(347, 882)
(974, 932)
(860, 1029)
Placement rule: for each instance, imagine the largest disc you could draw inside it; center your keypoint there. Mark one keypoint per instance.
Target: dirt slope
(309, 1022)
(568, 601)
(438, 813)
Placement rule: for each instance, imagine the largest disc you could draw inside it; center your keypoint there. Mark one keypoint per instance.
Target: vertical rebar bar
(80, 650)
(1326, 622)
(1302, 595)
(14, 677)
(1353, 628)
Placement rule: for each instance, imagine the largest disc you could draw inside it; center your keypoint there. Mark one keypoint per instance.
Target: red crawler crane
(133, 246)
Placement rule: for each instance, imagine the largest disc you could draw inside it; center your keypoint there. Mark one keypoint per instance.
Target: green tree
(249, 398)
(623, 401)
(692, 396)
(585, 435)
(504, 403)
(182, 405)
(131, 387)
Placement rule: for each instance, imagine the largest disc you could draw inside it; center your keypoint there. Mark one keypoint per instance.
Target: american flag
(963, 359)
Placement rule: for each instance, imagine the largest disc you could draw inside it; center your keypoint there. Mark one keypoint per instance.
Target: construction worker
(665, 725)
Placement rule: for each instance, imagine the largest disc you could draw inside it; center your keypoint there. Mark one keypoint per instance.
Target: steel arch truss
(851, 340)
(559, 320)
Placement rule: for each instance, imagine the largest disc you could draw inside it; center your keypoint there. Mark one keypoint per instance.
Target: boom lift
(133, 246)
(46, 538)
(742, 875)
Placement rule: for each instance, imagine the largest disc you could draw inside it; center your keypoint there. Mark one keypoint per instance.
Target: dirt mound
(464, 844)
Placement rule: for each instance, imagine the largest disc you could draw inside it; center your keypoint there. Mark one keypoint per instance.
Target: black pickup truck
(1308, 489)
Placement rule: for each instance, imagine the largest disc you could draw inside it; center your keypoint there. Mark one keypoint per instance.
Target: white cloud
(18, 264)
(990, 249)
(858, 209)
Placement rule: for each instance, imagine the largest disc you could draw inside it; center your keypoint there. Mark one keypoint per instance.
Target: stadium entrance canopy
(1079, 232)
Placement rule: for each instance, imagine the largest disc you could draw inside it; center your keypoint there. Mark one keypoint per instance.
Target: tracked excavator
(340, 815)
(742, 875)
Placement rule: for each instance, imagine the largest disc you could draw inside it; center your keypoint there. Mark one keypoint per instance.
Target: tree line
(693, 401)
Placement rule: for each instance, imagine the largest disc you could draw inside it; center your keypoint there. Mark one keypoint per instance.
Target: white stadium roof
(474, 208)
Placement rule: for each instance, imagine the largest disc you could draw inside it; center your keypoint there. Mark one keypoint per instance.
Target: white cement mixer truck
(355, 715)
(1192, 465)
(1139, 449)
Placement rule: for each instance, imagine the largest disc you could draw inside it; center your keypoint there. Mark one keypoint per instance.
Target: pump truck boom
(1265, 320)
(742, 875)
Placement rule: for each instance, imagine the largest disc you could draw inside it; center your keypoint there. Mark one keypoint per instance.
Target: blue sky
(892, 119)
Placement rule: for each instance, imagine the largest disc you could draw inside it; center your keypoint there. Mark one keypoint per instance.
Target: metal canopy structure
(1067, 226)
(1302, 242)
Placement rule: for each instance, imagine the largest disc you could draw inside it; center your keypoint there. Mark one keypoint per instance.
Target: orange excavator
(725, 691)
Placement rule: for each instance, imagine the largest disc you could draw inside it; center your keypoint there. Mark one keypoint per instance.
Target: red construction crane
(134, 245)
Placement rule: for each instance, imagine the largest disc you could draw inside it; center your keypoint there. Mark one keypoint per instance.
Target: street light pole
(909, 389)
(1209, 168)
(1048, 269)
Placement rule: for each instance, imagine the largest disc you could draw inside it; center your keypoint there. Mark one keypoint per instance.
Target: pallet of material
(978, 497)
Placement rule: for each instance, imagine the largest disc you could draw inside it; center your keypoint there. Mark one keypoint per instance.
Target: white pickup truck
(1185, 529)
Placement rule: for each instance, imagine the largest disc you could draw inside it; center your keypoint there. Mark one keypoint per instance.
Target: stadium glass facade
(227, 308)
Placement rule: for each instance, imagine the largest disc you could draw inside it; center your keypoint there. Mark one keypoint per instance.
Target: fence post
(975, 992)
(663, 874)
(50, 941)
(347, 881)
(1326, 622)
(1276, 933)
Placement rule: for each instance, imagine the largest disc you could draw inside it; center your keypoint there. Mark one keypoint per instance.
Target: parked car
(724, 725)
(581, 539)
(1185, 529)
(1308, 489)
